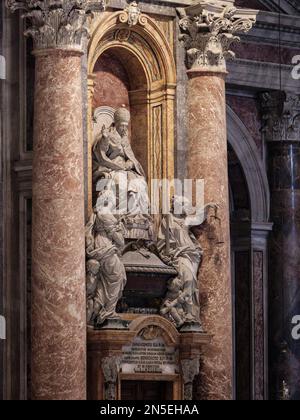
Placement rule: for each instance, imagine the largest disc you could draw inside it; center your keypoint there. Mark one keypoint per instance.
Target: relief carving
(132, 15)
(151, 332)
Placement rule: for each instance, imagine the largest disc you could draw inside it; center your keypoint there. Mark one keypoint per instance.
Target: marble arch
(249, 246)
(246, 150)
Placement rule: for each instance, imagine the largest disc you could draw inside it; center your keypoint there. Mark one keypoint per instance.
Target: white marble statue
(121, 213)
(114, 159)
(106, 276)
(179, 246)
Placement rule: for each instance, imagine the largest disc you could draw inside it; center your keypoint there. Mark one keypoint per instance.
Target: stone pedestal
(282, 133)
(207, 32)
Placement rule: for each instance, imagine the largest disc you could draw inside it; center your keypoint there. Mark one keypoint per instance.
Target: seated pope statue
(114, 160)
(112, 150)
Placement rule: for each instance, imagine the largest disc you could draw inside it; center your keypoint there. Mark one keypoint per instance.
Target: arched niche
(147, 58)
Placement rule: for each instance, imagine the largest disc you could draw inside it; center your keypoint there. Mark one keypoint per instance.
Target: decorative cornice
(281, 116)
(133, 16)
(56, 24)
(208, 30)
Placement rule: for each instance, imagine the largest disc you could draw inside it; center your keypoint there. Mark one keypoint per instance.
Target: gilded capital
(55, 24)
(208, 29)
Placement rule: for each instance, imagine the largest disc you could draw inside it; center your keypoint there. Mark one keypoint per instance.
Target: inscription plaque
(149, 356)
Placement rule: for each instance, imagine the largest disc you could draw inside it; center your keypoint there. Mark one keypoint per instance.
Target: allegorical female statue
(106, 276)
(181, 305)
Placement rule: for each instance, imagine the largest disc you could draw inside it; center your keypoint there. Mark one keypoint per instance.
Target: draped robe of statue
(114, 165)
(104, 242)
(112, 153)
(114, 160)
(182, 303)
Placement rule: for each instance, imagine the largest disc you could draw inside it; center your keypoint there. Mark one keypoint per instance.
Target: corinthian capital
(208, 30)
(281, 116)
(55, 24)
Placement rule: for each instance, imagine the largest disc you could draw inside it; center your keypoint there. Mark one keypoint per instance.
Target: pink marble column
(58, 367)
(58, 248)
(207, 32)
(207, 159)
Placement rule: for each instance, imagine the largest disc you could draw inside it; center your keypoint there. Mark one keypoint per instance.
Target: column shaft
(284, 267)
(207, 32)
(58, 249)
(207, 159)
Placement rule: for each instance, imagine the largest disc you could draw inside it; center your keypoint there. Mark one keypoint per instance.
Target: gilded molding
(56, 24)
(208, 30)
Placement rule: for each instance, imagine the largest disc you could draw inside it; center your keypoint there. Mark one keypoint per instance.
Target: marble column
(58, 259)
(207, 32)
(58, 365)
(282, 134)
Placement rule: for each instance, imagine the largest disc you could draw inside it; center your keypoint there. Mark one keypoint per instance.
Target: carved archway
(249, 254)
(246, 150)
(148, 58)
